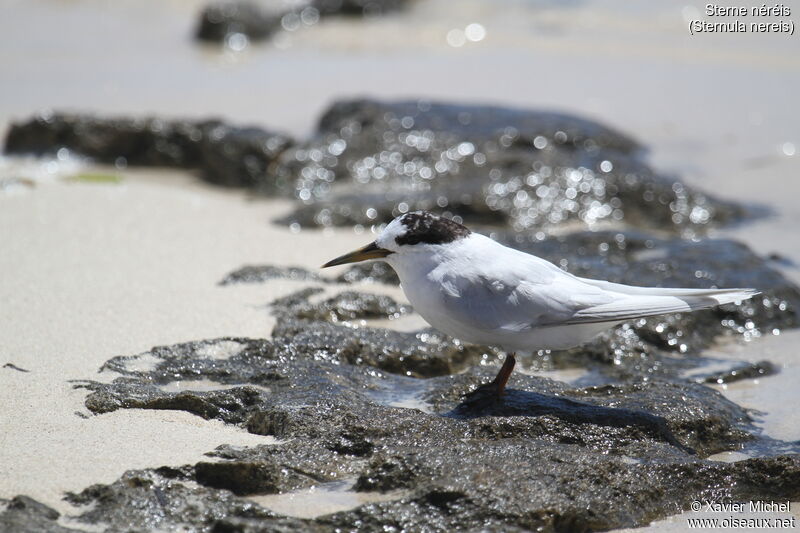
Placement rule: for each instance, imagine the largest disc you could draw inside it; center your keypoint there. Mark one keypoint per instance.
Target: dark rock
(746, 371)
(220, 21)
(591, 494)
(146, 141)
(229, 405)
(243, 157)
(147, 500)
(186, 361)
(25, 515)
(535, 489)
(702, 418)
(371, 272)
(390, 472)
(358, 7)
(348, 305)
(422, 354)
(560, 457)
(368, 272)
(545, 455)
(224, 154)
(239, 477)
(705, 420)
(290, 467)
(262, 273)
(373, 160)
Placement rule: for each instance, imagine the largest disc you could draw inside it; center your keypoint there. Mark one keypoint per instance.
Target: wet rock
(348, 305)
(224, 154)
(25, 515)
(368, 272)
(276, 468)
(525, 169)
(262, 273)
(746, 371)
(371, 272)
(546, 455)
(243, 157)
(549, 491)
(223, 21)
(156, 500)
(421, 354)
(306, 388)
(588, 499)
(230, 405)
(704, 422)
(238, 477)
(227, 360)
(256, 361)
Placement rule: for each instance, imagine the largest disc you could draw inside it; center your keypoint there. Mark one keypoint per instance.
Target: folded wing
(638, 302)
(488, 304)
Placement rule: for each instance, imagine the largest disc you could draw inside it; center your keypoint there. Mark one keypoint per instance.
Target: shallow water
(201, 385)
(322, 499)
(405, 392)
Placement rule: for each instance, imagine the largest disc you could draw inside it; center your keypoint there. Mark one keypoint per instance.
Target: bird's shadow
(485, 402)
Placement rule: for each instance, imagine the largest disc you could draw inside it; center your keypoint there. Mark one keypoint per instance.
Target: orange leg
(505, 372)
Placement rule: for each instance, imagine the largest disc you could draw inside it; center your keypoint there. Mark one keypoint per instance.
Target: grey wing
(488, 304)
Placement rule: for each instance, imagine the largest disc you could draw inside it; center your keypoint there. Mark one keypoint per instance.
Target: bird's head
(406, 234)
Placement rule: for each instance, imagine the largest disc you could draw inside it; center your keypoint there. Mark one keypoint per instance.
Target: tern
(475, 289)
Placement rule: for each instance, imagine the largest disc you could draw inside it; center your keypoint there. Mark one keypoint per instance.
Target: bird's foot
(484, 396)
(491, 393)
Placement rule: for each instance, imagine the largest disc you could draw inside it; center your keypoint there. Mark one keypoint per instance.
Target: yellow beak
(370, 251)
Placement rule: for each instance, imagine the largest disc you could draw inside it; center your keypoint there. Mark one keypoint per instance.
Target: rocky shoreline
(369, 161)
(621, 452)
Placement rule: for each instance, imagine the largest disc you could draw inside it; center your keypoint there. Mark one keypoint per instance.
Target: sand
(93, 271)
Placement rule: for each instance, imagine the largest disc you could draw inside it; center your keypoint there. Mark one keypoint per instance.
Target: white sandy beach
(90, 271)
(93, 271)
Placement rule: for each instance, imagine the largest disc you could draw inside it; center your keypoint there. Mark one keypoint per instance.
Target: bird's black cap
(423, 227)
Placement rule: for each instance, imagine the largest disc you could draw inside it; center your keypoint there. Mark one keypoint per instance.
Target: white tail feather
(639, 302)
